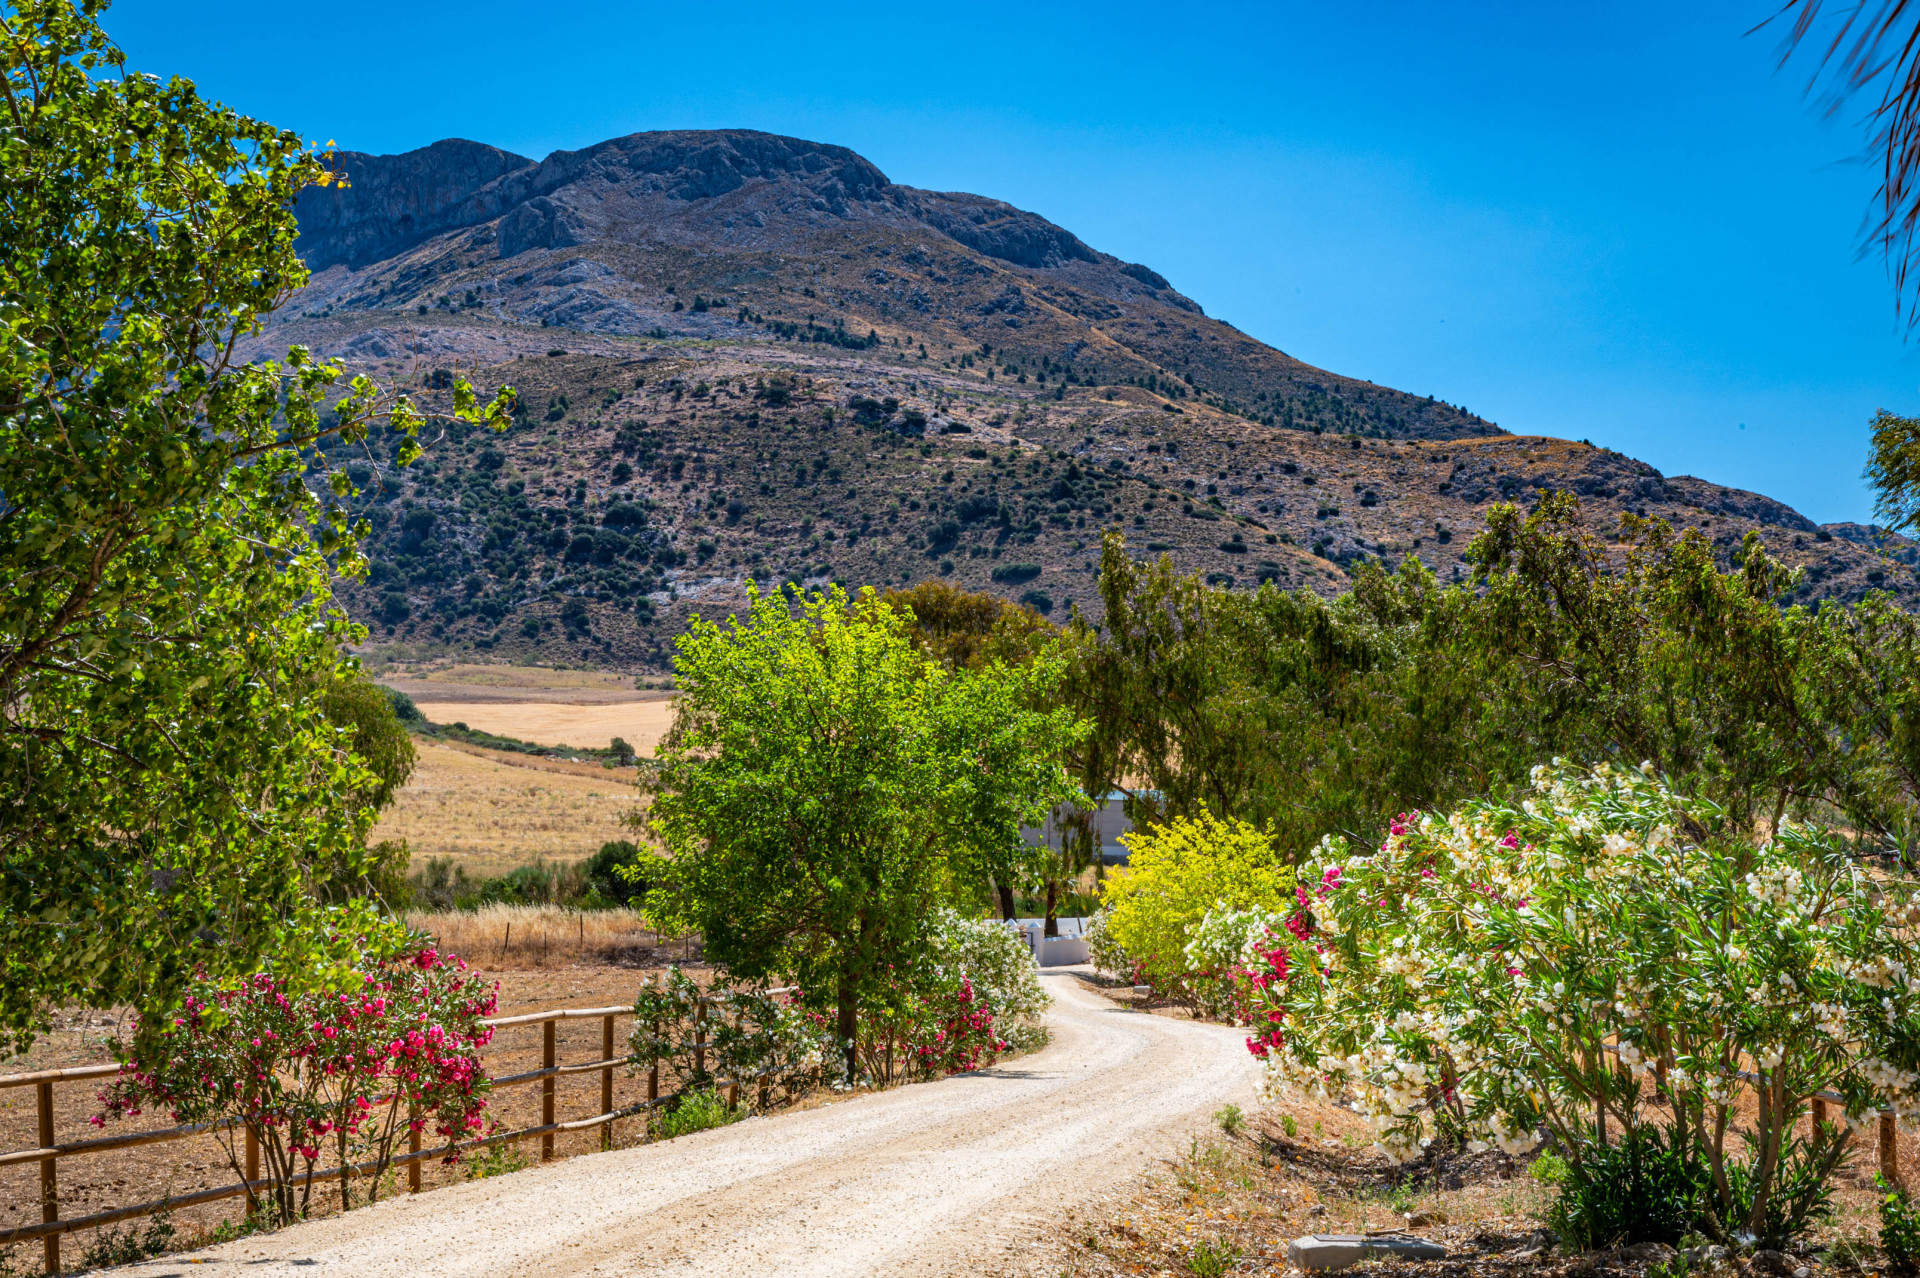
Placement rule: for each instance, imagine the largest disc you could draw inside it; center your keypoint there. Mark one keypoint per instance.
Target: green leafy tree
(1307, 716)
(967, 630)
(369, 718)
(1893, 469)
(824, 786)
(173, 784)
(1290, 712)
(1643, 648)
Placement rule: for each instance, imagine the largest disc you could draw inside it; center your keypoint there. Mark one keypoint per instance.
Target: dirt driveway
(941, 1178)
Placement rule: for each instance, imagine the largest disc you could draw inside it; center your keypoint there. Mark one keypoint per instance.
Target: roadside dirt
(961, 1176)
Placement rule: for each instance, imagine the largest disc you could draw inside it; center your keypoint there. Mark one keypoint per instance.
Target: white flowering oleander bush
(977, 993)
(1469, 975)
(1224, 954)
(999, 963)
(1103, 951)
(749, 1035)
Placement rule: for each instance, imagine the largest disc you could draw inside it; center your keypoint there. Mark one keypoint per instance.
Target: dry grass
(587, 768)
(506, 676)
(641, 723)
(491, 816)
(532, 937)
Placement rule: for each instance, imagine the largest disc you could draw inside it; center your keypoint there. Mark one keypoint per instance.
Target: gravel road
(940, 1178)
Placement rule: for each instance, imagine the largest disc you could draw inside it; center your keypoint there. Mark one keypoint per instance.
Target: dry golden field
(493, 812)
(642, 723)
(510, 679)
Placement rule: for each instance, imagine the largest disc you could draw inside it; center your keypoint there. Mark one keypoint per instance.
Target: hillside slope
(746, 356)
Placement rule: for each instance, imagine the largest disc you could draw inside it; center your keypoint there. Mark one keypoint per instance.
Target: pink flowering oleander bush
(348, 1069)
(954, 1031)
(1469, 976)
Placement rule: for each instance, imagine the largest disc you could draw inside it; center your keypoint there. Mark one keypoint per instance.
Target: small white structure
(1107, 817)
(1056, 951)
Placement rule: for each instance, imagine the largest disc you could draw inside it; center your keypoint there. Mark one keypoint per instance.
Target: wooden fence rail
(1888, 1136)
(50, 1151)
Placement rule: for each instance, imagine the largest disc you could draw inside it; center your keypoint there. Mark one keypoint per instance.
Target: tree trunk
(1008, 911)
(848, 1024)
(1053, 906)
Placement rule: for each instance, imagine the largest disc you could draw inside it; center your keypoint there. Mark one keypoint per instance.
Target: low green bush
(1899, 1229)
(696, 1112)
(441, 884)
(607, 886)
(1643, 1188)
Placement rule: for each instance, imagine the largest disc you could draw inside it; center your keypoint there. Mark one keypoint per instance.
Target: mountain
(748, 356)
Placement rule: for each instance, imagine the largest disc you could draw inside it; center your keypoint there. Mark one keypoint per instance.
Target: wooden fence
(1888, 1134)
(50, 1150)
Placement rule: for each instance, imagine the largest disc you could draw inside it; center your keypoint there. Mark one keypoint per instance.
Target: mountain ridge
(743, 356)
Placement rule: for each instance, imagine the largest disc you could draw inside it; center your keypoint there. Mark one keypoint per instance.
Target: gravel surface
(939, 1178)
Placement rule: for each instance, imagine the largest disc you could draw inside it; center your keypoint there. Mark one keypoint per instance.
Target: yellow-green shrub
(1179, 871)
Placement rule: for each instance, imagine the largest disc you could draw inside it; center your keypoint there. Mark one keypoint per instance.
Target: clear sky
(1615, 223)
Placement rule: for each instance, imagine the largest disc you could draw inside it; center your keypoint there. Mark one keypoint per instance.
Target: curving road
(939, 1178)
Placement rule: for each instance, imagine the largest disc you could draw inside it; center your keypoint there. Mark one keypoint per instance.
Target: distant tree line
(1312, 716)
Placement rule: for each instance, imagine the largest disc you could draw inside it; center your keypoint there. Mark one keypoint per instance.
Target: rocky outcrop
(1737, 503)
(462, 226)
(392, 202)
(995, 229)
(395, 202)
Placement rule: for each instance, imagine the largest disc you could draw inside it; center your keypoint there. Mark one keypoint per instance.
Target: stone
(1778, 1263)
(1425, 1219)
(1324, 1252)
(1646, 1253)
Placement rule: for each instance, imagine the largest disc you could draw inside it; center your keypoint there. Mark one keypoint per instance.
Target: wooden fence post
(49, 1185)
(413, 1147)
(546, 1092)
(606, 1079)
(253, 1168)
(733, 1085)
(1819, 1115)
(1889, 1150)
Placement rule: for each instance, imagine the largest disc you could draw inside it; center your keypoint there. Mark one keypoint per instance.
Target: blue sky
(1614, 223)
